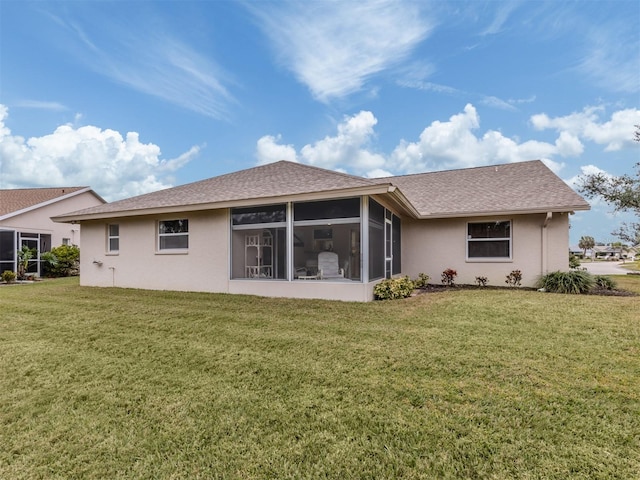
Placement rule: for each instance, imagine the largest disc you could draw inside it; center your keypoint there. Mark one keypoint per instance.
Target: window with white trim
(113, 238)
(489, 240)
(173, 234)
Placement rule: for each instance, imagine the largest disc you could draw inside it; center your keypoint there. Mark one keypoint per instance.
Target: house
(25, 219)
(264, 231)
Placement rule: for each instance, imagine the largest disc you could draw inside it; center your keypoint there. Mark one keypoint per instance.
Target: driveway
(604, 268)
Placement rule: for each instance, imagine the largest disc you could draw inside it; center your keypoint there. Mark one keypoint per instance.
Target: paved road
(604, 268)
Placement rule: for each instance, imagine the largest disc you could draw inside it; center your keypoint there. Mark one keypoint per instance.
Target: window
(384, 242)
(113, 238)
(173, 234)
(327, 226)
(489, 239)
(259, 242)
(66, 241)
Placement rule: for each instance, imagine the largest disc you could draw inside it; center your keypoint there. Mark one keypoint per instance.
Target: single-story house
(25, 219)
(294, 230)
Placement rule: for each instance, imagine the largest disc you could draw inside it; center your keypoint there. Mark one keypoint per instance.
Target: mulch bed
(431, 288)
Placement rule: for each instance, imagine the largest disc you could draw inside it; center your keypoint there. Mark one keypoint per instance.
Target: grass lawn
(116, 383)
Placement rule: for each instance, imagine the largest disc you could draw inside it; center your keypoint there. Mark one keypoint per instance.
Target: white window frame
(492, 239)
(113, 237)
(160, 235)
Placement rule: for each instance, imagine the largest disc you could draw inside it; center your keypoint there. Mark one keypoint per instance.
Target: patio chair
(329, 265)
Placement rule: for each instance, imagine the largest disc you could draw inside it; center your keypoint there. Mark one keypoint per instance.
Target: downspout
(544, 254)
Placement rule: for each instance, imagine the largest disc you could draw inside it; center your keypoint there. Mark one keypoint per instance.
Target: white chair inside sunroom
(329, 265)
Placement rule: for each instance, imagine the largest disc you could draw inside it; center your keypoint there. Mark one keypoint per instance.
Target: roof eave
(571, 209)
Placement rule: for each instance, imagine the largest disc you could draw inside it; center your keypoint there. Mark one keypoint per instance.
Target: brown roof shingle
(512, 187)
(515, 187)
(21, 198)
(275, 179)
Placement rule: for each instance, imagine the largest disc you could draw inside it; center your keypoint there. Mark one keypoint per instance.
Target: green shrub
(67, 261)
(394, 288)
(49, 261)
(575, 281)
(422, 280)
(574, 262)
(603, 282)
(482, 281)
(8, 276)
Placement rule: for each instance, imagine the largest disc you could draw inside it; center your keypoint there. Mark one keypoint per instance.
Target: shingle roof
(22, 198)
(513, 187)
(272, 180)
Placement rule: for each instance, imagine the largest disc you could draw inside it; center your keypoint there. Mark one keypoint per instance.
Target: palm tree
(585, 243)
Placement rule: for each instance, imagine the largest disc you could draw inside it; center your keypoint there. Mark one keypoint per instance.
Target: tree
(586, 243)
(622, 192)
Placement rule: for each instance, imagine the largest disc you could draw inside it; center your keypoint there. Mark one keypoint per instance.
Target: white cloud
(615, 133)
(269, 151)
(148, 59)
(347, 147)
(41, 105)
(441, 145)
(114, 166)
(335, 47)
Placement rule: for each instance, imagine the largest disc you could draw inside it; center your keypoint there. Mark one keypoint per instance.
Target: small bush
(603, 282)
(575, 281)
(422, 281)
(67, 261)
(574, 262)
(394, 288)
(514, 278)
(8, 276)
(482, 281)
(448, 277)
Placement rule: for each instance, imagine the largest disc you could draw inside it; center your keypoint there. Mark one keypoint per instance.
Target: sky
(132, 97)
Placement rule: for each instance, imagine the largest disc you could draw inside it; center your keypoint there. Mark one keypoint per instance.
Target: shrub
(422, 280)
(8, 276)
(49, 261)
(574, 262)
(394, 288)
(448, 276)
(575, 281)
(68, 258)
(481, 281)
(603, 282)
(514, 278)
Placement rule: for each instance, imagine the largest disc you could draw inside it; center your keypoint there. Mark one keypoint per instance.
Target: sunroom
(346, 240)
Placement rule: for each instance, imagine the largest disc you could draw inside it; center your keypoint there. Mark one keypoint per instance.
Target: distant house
(25, 219)
(293, 230)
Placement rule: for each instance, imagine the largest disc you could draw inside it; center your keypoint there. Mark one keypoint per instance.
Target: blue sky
(132, 97)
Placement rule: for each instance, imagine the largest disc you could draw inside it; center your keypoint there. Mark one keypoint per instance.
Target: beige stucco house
(293, 230)
(25, 219)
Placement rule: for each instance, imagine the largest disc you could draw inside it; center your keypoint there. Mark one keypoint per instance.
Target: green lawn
(116, 383)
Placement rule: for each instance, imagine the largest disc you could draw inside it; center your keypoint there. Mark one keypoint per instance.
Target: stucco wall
(39, 220)
(138, 264)
(433, 246)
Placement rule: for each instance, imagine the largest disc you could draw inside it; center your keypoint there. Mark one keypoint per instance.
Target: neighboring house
(262, 231)
(25, 219)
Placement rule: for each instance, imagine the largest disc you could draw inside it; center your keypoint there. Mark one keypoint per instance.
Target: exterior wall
(432, 246)
(321, 289)
(39, 220)
(138, 264)
(205, 267)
